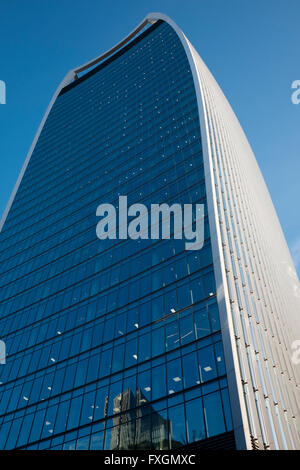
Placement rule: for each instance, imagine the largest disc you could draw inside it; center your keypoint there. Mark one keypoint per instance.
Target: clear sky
(251, 47)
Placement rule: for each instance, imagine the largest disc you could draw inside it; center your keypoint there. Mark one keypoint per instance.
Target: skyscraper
(123, 343)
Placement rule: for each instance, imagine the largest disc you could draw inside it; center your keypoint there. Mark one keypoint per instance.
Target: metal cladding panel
(260, 288)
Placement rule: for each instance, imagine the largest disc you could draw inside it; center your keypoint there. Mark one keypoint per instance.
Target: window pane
(177, 426)
(97, 441)
(158, 382)
(213, 414)
(160, 430)
(190, 370)
(207, 365)
(174, 376)
(195, 420)
(201, 321)
(227, 409)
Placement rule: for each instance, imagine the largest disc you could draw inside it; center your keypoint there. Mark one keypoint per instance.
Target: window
(213, 413)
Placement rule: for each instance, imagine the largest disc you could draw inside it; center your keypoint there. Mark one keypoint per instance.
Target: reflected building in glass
(136, 427)
(142, 344)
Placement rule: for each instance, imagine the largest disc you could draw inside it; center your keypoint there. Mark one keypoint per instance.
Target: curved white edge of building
(258, 290)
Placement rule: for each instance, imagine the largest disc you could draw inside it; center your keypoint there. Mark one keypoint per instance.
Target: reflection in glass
(177, 429)
(213, 413)
(195, 420)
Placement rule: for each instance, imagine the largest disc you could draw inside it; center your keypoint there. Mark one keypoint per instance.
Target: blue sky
(251, 47)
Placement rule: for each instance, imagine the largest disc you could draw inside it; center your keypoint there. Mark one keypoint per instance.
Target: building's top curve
(150, 18)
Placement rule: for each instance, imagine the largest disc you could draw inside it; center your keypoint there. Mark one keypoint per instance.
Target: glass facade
(111, 344)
